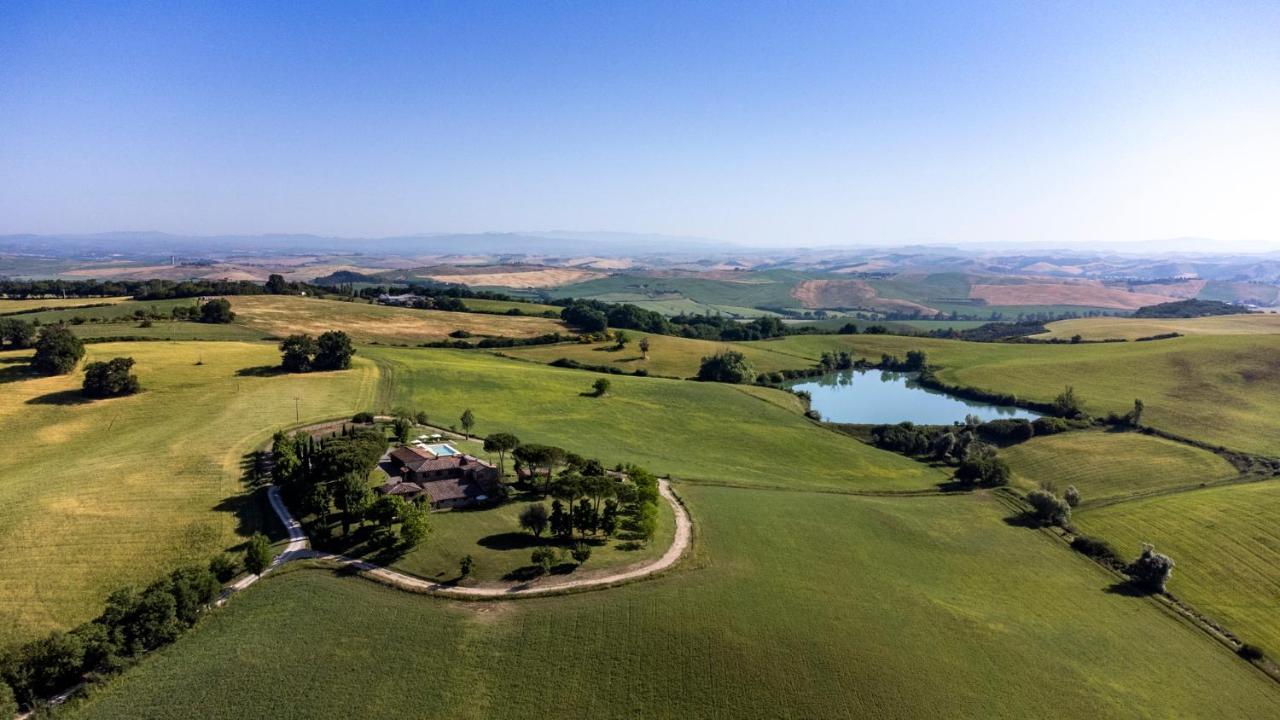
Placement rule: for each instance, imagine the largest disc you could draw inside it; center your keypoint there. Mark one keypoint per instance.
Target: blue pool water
(442, 450)
(875, 397)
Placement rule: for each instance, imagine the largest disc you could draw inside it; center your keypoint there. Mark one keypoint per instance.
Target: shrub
(1050, 426)
(362, 418)
(57, 351)
(729, 366)
(224, 566)
(217, 310)
(1252, 653)
(1006, 432)
(1072, 496)
(983, 469)
(1096, 548)
(1152, 570)
(460, 334)
(543, 559)
(581, 553)
(1048, 508)
(110, 379)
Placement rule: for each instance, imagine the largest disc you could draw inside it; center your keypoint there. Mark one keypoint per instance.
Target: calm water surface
(875, 397)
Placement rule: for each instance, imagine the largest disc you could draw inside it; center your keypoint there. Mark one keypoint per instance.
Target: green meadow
(668, 356)
(94, 495)
(704, 431)
(1109, 465)
(795, 605)
(1226, 544)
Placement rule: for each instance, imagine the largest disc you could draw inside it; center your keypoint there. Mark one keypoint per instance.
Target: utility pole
(296, 418)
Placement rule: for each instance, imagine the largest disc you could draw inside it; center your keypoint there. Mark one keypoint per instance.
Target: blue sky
(761, 123)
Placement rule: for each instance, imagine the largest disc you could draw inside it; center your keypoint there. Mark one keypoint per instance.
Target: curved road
(297, 550)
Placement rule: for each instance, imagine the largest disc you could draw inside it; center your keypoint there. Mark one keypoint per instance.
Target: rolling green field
(493, 538)
(94, 495)
(797, 605)
(115, 312)
(166, 330)
(1219, 389)
(1226, 544)
(499, 306)
(286, 315)
(706, 431)
(9, 305)
(1104, 465)
(746, 289)
(668, 356)
(1133, 328)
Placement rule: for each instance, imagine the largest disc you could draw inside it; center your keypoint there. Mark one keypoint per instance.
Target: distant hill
(1189, 309)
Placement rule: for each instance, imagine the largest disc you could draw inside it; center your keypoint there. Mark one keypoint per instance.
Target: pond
(875, 397)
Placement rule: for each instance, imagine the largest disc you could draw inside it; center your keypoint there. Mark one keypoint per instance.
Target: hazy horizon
(757, 125)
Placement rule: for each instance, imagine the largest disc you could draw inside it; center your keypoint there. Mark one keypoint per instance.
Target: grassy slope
(801, 606)
(1133, 328)
(115, 312)
(100, 494)
(668, 356)
(1225, 542)
(693, 430)
(12, 306)
(1108, 465)
(504, 305)
(745, 290)
(1220, 389)
(167, 330)
(282, 316)
(493, 538)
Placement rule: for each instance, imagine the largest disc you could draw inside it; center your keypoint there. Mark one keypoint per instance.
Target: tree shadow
(17, 373)
(631, 546)
(262, 371)
(19, 360)
(1127, 588)
(563, 568)
(62, 397)
(523, 574)
(1024, 520)
(510, 541)
(253, 513)
(954, 486)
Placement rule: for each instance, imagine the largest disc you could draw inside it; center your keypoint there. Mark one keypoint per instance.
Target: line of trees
(132, 623)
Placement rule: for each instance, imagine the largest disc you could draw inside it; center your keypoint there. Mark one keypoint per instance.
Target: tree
(386, 509)
(110, 379)
(1049, 508)
(466, 565)
(1072, 496)
(1135, 416)
(581, 553)
(560, 521)
(534, 519)
(1067, 404)
(333, 351)
(8, 703)
(609, 518)
(644, 348)
(57, 351)
(224, 566)
(544, 558)
(1152, 570)
(257, 555)
(729, 366)
(217, 310)
(17, 333)
(585, 517)
(468, 421)
(352, 498)
(646, 520)
(415, 527)
(402, 429)
(276, 285)
(296, 352)
(600, 386)
(421, 417)
(501, 443)
(621, 338)
(585, 318)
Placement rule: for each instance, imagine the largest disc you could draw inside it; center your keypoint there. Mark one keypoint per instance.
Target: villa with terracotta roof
(440, 475)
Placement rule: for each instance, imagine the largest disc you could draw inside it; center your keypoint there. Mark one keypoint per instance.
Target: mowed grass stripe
(1226, 544)
(1107, 465)
(689, 429)
(97, 495)
(800, 606)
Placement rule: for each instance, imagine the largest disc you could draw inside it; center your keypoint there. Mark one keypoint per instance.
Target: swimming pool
(442, 450)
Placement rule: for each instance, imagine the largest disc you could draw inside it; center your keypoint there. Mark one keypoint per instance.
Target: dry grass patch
(286, 315)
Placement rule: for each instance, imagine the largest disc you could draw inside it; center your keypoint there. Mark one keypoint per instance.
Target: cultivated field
(1132, 328)
(500, 306)
(1106, 465)
(1219, 389)
(1225, 542)
(1088, 293)
(8, 305)
(94, 495)
(706, 431)
(286, 315)
(797, 605)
